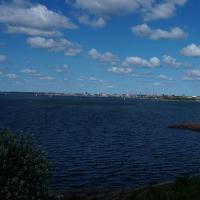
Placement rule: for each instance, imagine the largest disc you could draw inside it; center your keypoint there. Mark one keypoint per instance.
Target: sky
(107, 46)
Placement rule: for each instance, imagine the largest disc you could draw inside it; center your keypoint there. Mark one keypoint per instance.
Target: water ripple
(108, 143)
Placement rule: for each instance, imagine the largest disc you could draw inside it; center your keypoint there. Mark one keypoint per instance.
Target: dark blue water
(105, 142)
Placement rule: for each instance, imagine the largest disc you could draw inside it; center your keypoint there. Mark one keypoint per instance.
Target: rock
(187, 126)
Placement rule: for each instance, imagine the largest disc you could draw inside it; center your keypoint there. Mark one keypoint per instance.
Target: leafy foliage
(24, 169)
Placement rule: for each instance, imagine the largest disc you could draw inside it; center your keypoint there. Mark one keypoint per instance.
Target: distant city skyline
(100, 46)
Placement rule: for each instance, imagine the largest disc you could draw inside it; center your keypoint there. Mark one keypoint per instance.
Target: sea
(107, 142)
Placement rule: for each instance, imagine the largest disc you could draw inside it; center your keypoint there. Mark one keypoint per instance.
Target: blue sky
(110, 46)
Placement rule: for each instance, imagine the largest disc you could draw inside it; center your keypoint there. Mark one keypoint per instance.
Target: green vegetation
(24, 170)
(183, 189)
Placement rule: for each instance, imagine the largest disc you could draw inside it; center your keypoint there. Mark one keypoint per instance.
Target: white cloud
(164, 77)
(3, 58)
(28, 18)
(192, 50)
(11, 76)
(110, 86)
(34, 73)
(163, 10)
(92, 78)
(48, 78)
(193, 74)
(29, 71)
(155, 34)
(94, 22)
(62, 68)
(121, 70)
(50, 44)
(32, 31)
(171, 61)
(105, 9)
(103, 57)
(141, 62)
(73, 51)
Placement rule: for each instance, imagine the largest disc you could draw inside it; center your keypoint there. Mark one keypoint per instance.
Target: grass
(183, 189)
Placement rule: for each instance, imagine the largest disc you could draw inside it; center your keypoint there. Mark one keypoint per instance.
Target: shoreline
(161, 191)
(109, 98)
(126, 96)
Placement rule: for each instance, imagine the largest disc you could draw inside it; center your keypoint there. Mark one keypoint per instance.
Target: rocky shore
(187, 126)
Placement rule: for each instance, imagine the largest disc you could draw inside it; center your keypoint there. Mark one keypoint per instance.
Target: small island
(187, 126)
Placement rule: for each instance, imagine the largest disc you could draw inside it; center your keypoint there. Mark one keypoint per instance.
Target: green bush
(24, 170)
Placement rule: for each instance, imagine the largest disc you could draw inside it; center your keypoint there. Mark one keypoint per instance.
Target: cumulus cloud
(192, 50)
(73, 51)
(171, 61)
(94, 22)
(141, 62)
(103, 57)
(50, 43)
(32, 31)
(121, 70)
(33, 16)
(144, 30)
(105, 9)
(163, 10)
(32, 19)
(193, 74)
(3, 58)
(164, 77)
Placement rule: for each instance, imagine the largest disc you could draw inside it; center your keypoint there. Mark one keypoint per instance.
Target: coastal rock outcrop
(188, 126)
